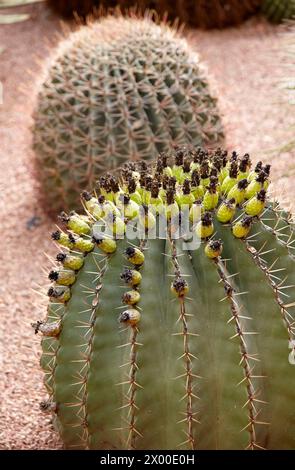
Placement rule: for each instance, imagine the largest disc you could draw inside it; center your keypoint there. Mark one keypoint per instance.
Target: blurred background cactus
(205, 14)
(209, 14)
(205, 356)
(119, 89)
(278, 10)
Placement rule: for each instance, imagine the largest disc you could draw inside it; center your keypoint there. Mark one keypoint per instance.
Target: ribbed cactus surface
(174, 340)
(278, 10)
(119, 89)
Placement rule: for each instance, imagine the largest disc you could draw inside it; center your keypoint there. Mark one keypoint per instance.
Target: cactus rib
(246, 355)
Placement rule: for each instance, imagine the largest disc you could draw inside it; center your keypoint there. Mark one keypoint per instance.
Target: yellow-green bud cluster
(132, 277)
(209, 185)
(212, 188)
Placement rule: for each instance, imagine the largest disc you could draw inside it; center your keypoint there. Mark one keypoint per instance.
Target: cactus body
(120, 89)
(278, 10)
(164, 345)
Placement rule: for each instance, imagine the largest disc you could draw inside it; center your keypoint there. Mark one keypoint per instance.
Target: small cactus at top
(278, 10)
(171, 325)
(119, 89)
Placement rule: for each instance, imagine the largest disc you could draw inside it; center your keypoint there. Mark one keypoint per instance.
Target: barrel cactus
(122, 88)
(278, 10)
(170, 323)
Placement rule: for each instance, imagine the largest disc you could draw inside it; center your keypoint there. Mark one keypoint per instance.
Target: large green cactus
(201, 353)
(278, 10)
(119, 89)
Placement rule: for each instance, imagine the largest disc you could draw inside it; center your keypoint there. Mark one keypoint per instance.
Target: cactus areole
(170, 323)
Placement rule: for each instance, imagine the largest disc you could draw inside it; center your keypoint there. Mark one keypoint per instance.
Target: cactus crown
(174, 339)
(120, 89)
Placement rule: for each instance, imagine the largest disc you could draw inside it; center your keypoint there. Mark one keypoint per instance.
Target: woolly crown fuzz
(119, 89)
(181, 339)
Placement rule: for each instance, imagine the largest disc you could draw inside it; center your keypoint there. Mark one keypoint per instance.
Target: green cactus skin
(204, 360)
(119, 89)
(278, 10)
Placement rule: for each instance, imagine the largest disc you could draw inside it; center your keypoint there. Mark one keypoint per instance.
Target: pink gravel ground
(244, 70)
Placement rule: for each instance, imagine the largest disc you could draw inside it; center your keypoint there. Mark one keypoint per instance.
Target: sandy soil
(243, 65)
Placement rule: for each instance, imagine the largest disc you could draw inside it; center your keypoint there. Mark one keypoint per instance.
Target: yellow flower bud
(242, 228)
(256, 204)
(134, 255)
(130, 317)
(226, 211)
(179, 287)
(131, 297)
(63, 239)
(210, 200)
(205, 227)
(238, 191)
(70, 261)
(213, 249)
(131, 277)
(84, 245)
(64, 277)
(59, 294)
(228, 184)
(76, 223)
(107, 245)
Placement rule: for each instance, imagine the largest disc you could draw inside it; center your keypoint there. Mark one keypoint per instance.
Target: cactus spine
(200, 354)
